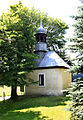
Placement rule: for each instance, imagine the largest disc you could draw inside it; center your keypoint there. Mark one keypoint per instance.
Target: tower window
(41, 79)
(41, 38)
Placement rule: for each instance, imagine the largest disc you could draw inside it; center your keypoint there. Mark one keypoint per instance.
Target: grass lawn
(38, 108)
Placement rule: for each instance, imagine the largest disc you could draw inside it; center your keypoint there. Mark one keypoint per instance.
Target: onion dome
(41, 29)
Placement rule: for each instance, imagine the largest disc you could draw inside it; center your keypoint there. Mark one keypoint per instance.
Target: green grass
(38, 108)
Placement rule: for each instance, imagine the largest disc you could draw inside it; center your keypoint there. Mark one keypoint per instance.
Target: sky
(61, 9)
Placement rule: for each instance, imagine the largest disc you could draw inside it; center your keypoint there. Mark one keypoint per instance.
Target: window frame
(44, 79)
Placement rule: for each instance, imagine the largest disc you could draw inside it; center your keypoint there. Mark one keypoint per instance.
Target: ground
(38, 108)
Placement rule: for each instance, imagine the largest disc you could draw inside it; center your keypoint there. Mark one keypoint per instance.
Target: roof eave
(51, 67)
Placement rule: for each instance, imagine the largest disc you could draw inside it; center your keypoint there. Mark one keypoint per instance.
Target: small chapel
(50, 71)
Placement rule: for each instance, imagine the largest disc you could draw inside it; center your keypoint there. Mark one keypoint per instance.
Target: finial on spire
(41, 29)
(41, 23)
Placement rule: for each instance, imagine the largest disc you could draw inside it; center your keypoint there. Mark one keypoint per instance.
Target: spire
(41, 23)
(41, 33)
(41, 29)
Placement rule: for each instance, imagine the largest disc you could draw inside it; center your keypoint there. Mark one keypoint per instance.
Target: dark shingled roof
(52, 59)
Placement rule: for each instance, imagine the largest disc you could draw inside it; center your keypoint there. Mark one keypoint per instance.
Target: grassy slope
(40, 108)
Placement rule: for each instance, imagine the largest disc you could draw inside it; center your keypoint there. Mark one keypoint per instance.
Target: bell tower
(41, 39)
(41, 34)
(41, 46)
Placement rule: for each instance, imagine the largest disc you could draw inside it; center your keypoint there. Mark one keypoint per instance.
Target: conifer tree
(76, 90)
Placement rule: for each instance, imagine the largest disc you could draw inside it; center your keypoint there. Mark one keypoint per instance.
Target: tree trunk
(14, 90)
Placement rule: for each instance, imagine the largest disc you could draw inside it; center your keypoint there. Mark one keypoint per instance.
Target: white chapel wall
(54, 82)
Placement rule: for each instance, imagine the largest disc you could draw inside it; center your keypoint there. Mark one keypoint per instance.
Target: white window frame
(44, 79)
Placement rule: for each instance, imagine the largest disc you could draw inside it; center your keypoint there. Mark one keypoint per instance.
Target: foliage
(55, 32)
(77, 45)
(76, 90)
(16, 55)
(76, 94)
(24, 21)
(55, 37)
(38, 108)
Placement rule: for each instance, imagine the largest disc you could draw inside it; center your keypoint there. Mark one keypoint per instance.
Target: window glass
(41, 79)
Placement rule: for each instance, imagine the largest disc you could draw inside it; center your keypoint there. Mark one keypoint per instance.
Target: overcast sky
(61, 9)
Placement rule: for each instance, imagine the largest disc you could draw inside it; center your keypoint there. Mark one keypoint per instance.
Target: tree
(56, 28)
(77, 46)
(17, 43)
(55, 32)
(56, 41)
(13, 69)
(16, 55)
(76, 90)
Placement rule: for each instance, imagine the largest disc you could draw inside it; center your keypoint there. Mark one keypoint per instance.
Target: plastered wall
(56, 79)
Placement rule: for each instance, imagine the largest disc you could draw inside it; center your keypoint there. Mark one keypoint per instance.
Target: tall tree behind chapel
(76, 90)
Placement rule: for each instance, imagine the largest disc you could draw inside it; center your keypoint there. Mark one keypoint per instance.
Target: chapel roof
(52, 59)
